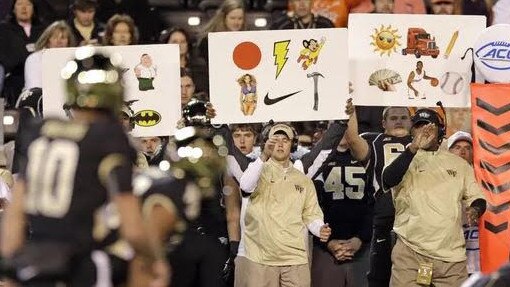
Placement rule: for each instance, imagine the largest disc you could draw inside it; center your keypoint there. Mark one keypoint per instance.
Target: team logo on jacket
(299, 188)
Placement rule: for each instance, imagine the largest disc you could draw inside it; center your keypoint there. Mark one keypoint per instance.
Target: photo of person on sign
(248, 96)
(145, 72)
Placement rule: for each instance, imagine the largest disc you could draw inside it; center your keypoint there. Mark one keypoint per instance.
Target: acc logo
(495, 55)
(147, 118)
(492, 53)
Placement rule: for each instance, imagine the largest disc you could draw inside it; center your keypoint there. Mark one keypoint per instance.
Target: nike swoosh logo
(268, 101)
(380, 240)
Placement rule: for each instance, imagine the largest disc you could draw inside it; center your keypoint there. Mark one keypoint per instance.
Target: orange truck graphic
(420, 44)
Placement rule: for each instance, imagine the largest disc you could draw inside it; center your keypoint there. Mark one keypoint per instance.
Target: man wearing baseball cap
(282, 205)
(461, 144)
(429, 185)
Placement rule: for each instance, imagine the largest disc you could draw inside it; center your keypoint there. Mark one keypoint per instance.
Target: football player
(377, 150)
(340, 185)
(183, 206)
(69, 169)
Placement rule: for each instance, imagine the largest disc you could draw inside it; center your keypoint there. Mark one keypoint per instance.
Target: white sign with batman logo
(151, 80)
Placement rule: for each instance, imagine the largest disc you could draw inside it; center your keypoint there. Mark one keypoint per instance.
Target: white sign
(288, 75)
(151, 78)
(492, 53)
(412, 60)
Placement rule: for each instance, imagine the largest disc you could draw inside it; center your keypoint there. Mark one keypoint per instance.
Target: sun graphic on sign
(385, 40)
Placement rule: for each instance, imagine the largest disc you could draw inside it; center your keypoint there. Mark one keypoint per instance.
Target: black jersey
(341, 193)
(179, 196)
(66, 166)
(383, 150)
(183, 198)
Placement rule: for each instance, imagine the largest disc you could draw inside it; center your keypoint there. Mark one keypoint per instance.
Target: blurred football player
(69, 169)
(183, 204)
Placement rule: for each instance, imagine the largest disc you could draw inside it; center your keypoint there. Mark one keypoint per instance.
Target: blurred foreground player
(68, 170)
(181, 201)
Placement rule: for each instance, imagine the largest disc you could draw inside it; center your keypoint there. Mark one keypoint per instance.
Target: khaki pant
(251, 274)
(405, 269)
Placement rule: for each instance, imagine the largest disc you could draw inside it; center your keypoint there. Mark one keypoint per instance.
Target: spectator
(126, 116)
(127, 120)
(188, 60)
(282, 204)
(245, 137)
(229, 17)
(461, 144)
(147, 18)
(429, 185)
(57, 35)
(302, 18)
(501, 12)
(18, 36)
(376, 150)
(153, 149)
(120, 30)
(188, 88)
(86, 28)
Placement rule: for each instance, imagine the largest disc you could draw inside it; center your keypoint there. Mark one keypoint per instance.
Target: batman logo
(147, 118)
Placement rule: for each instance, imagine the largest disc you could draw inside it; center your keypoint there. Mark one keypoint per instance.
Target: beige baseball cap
(282, 129)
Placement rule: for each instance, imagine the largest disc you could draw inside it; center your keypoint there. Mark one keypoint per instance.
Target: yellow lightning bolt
(280, 55)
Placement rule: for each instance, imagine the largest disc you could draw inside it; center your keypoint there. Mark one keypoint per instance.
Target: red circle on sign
(246, 55)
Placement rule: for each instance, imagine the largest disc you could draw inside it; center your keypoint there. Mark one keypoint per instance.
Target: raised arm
(359, 146)
(330, 141)
(251, 175)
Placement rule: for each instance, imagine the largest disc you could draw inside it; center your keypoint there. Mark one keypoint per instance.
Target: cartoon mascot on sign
(311, 52)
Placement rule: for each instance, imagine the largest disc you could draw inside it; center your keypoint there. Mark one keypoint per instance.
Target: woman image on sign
(248, 96)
